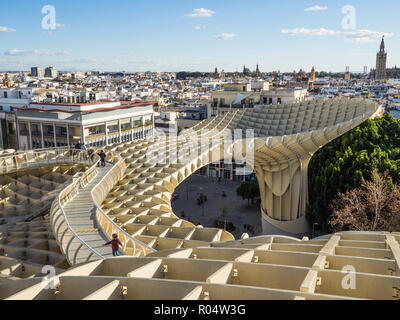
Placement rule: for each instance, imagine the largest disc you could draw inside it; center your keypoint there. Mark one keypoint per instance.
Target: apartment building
(37, 72)
(51, 72)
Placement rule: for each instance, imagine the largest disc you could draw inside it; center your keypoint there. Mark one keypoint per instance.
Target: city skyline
(197, 36)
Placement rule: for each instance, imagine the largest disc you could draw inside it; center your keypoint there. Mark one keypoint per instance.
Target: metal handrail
(142, 245)
(17, 153)
(33, 158)
(76, 185)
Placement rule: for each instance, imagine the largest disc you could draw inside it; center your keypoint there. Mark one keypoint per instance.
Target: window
(5, 95)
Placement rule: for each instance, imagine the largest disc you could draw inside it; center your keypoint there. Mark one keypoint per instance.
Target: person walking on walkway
(84, 152)
(78, 146)
(102, 156)
(115, 243)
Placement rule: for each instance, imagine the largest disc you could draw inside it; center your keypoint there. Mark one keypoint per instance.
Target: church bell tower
(381, 58)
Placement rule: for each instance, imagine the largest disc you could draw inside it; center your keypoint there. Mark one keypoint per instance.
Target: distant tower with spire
(312, 76)
(311, 79)
(258, 73)
(381, 58)
(216, 74)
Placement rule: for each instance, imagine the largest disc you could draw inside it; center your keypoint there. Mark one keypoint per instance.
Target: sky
(187, 35)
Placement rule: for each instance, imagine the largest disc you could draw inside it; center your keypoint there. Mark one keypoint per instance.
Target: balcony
(95, 136)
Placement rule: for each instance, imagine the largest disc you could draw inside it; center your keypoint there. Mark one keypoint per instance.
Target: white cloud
(226, 36)
(201, 13)
(316, 8)
(83, 60)
(144, 62)
(365, 35)
(197, 28)
(362, 40)
(311, 32)
(47, 53)
(7, 30)
(18, 52)
(61, 25)
(359, 36)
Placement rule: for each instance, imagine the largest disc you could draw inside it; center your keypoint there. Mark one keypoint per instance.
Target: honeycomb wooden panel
(25, 247)
(30, 192)
(173, 259)
(229, 271)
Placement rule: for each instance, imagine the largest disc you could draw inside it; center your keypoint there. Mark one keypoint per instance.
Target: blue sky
(174, 35)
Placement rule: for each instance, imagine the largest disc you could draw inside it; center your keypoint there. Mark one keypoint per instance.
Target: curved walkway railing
(41, 157)
(71, 245)
(131, 246)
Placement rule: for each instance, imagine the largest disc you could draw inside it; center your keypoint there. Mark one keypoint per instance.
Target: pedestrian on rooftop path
(115, 243)
(102, 156)
(78, 146)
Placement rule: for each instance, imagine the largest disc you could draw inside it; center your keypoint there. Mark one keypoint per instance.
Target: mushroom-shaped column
(281, 164)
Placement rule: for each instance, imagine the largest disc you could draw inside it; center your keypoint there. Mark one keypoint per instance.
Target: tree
(347, 162)
(249, 191)
(373, 207)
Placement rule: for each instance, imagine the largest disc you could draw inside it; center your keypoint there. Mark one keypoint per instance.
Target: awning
(240, 97)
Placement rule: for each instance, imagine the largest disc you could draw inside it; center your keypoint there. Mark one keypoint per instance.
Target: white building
(259, 85)
(42, 125)
(37, 72)
(283, 96)
(51, 72)
(15, 97)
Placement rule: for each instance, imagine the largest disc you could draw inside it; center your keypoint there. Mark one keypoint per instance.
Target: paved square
(238, 212)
